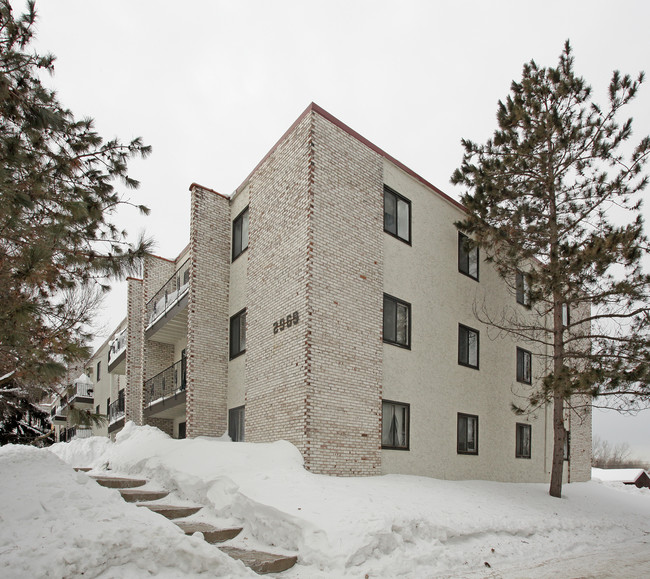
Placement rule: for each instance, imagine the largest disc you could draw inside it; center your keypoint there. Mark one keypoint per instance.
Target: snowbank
(386, 526)
(57, 523)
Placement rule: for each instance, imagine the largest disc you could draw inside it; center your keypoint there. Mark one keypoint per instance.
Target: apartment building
(330, 301)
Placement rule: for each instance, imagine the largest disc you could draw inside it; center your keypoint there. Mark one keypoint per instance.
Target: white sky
(212, 85)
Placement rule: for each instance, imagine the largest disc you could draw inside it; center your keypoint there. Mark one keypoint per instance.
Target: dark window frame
(460, 417)
(522, 287)
(396, 234)
(478, 347)
(520, 450)
(397, 301)
(464, 257)
(237, 249)
(567, 445)
(237, 423)
(236, 319)
(521, 355)
(407, 406)
(99, 370)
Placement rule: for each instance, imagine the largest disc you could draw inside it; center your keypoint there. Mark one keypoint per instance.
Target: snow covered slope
(389, 526)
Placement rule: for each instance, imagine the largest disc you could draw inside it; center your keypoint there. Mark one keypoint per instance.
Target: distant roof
(624, 475)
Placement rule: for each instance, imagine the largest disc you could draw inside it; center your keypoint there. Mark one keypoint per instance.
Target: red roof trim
(313, 107)
(193, 185)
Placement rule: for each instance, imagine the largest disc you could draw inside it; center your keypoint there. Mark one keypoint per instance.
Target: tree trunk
(559, 434)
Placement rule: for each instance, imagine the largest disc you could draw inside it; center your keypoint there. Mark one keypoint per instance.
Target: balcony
(117, 353)
(116, 413)
(164, 394)
(68, 434)
(59, 413)
(166, 311)
(81, 391)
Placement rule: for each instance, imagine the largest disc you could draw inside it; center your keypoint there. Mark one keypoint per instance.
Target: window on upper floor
(467, 257)
(240, 234)
(567, 445)
(566, 318)
(522, 283)
(397, 215)
(524, 366)
(99, 370)
(236, 418)
(238, 334)
(522, 443)
(468, 346)
(467, 434)
(395, 425)
(397, 322)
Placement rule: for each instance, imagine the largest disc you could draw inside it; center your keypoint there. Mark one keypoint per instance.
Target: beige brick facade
(312, 281)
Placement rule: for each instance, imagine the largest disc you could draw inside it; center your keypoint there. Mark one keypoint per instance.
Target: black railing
(167, 383)
(175, 287)
(116, 408)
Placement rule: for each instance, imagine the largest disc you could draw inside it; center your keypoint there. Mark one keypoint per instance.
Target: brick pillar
(207, 316)
(133, 401)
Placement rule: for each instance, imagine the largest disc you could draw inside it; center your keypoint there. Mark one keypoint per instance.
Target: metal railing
(169, 294)
(67, 434)
(167, 383)
(116, 408)
(117, 346)
(81, 390)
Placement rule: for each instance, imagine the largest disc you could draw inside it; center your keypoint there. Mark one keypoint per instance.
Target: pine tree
(553, 202)
(58, 245)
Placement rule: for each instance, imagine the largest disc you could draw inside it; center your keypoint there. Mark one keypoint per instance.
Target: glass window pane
(402, 325)
(471, 433)
(242, 332)
(472, 345)
(473, 262)
(236, 238)
(390, 212)
(390, 316)
(462, 433)
(463, 354)
(234, 337)
(403, 220)
(386, 419)
(244, 231)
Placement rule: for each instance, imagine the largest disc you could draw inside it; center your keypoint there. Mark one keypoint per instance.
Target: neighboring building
(330, 302)
(629, 476)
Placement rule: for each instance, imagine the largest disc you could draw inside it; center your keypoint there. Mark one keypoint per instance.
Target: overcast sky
(212, 85)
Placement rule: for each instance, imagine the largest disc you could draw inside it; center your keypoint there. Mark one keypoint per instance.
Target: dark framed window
(522, 443)
(467, 257)
(524, 366)
(397, 321)
(240, 234)
(397, 215)
(395, 418)
(238, 334)
(108, 404)
(99, 370)
(236, 418)
(467, 434)
(97, 409)
(567, 445)
(468, 346)
(522, 283)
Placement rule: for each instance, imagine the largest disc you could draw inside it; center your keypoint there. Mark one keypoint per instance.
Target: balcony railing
(169, 294)
(81, 390)
(168, 383)
(67, 434)
(117, 346)
(116, 409)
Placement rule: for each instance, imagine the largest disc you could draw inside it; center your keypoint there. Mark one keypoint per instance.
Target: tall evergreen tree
(58, 245)
(554, 202)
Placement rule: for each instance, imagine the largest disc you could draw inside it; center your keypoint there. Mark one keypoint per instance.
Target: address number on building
(286, 322)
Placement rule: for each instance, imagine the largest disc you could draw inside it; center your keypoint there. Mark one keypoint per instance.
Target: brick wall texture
(311, 251)
(133, 400)
(208, 321)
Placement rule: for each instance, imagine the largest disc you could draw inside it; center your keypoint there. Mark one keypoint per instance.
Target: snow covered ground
(59, 522)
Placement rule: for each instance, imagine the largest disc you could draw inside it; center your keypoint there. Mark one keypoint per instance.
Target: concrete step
(82, 468)
(261, 562)
(210, 534)
(171, 511)
(114, 482)
(136, 495)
